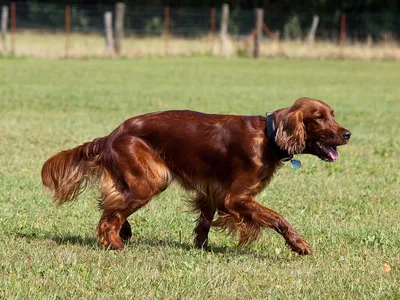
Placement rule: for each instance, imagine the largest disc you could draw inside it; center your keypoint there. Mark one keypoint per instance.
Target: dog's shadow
(84, 241)
(90, 242)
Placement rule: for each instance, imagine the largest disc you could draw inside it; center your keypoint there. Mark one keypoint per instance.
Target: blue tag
(295, 163)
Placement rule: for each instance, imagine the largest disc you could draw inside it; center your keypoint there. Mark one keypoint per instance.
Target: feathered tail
(68, 173)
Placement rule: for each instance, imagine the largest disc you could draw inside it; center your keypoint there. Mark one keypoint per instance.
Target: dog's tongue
(331, 152)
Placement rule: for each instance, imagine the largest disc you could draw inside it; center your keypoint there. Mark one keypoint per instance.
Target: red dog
(227, 160)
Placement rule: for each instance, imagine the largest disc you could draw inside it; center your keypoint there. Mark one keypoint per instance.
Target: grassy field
(349, 211)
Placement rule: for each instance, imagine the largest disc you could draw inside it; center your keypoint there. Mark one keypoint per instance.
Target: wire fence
(199, 23)
(189, 22)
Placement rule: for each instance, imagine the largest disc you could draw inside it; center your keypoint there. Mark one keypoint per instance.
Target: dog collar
(270, 132)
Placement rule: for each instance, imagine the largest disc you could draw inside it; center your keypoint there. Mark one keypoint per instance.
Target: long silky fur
(248, 230)
(68, 173)
(290, 134)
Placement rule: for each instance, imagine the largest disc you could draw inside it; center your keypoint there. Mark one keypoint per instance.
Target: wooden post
(108, 31)
(119, 26)
(13, 26)
(212, 27)
(166, 29)
(259, 12)
(4, 21)
(342, 28)
(67, 29)
(224, 28)
(311, 34)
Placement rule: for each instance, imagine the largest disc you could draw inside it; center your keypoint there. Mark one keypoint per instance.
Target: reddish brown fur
(226, 159)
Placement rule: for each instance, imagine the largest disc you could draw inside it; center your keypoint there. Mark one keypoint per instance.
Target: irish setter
(226, 160)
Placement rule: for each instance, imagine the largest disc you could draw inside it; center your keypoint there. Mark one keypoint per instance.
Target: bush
(292, 28)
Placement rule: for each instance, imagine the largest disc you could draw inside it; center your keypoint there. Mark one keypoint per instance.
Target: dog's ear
(291, 134)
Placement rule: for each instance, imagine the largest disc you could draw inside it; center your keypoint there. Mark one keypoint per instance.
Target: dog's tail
(67, 174)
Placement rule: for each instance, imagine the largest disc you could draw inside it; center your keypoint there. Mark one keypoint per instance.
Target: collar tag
(296, 164)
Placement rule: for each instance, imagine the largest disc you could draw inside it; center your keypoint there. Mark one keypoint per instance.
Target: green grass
(349, 211)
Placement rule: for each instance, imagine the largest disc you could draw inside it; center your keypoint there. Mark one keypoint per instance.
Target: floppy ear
(291, 135)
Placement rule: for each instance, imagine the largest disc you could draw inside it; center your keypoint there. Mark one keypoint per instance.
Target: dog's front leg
(248, 217)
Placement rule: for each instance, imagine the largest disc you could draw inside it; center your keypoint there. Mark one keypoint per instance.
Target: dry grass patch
(92, 45)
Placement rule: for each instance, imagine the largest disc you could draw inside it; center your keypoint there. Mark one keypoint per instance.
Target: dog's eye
(319, 118)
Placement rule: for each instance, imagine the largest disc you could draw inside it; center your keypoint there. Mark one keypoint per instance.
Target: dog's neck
(270, 132)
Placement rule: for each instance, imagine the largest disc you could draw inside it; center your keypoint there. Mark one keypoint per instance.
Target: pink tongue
(331, 152)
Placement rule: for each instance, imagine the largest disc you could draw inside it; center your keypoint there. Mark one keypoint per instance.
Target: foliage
(292, 29)
(154, 25)
(191, 18)
(50, 14)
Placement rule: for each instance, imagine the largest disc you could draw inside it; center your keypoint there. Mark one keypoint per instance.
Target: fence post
(224, 27)
(67, 29)
(342, 28)
(4, 21)
(13, 27)
(119, 26)
(259, 12)
(311, 34)
(212, 27)
(166, 29)
(108, 31)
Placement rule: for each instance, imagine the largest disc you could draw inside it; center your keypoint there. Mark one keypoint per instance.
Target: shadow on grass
(91, 243)
(154, 242)
(85, 241)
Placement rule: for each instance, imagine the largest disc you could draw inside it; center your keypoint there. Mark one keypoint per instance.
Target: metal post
(342, 28)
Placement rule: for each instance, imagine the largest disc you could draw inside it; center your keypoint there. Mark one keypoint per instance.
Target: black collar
(270, 132)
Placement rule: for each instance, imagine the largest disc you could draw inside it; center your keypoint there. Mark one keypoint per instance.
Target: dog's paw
(301, 247)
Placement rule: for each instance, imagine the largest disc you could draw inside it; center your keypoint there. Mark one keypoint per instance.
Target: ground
(348, 211)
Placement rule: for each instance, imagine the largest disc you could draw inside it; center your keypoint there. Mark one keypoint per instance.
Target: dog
(225, 159)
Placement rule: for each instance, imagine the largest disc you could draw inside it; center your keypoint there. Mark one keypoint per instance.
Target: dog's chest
(264, 176)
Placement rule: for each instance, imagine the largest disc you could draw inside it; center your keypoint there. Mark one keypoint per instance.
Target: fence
(178, 26)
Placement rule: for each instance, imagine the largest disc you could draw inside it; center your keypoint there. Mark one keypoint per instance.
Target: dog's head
(309, 127)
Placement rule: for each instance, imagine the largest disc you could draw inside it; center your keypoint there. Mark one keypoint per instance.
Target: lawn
(348, 211)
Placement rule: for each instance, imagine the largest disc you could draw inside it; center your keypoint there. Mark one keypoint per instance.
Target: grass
(30, 43)
(349, 211)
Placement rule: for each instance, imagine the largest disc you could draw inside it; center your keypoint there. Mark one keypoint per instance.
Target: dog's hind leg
(207, 209)
(144, 175)
(116, 205)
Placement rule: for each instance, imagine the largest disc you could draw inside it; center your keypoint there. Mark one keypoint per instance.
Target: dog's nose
(347, 134)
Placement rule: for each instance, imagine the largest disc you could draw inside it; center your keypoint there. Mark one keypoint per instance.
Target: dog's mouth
(326, 153)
